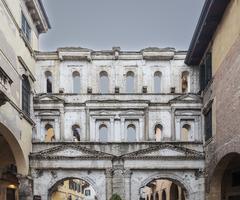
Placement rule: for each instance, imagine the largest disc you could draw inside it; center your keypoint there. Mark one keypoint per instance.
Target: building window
(158, 132)
(185, 82)
(26, 28)
(26, 93)
(49, 134)
(104, 82)
(48, 76)
(130, 82)
(76, 133)
(76, 82)
(87, 192)
(186, 128)
(131, 133)
(164, 195)
(208, 125)
(103, 133)
(157, 82)
(206, 71)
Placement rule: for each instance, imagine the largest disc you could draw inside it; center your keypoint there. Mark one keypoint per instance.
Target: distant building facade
(119, 121)
(215, 49)
(21, 23)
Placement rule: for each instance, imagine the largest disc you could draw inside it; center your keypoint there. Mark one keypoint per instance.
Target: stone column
(122, 130)
(62, 125)
(127, 183)
(108, 176)
(141, 130)
(37, 136)
(117, 130)
(92, 130)
(25, 188)
(112, 138)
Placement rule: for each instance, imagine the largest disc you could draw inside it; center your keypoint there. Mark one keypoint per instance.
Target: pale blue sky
(130, 24)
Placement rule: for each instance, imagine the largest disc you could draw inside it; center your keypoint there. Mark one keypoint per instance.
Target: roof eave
(211, 15)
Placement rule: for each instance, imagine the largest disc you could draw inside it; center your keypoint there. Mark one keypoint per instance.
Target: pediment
(48, 97)
(187, 98)
(165, 151)
(70, 152)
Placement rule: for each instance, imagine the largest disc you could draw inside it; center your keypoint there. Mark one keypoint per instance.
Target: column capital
(127, 173)
(25, 187)
(109, 172)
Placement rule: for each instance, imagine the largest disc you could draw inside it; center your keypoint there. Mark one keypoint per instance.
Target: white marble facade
(117, 125)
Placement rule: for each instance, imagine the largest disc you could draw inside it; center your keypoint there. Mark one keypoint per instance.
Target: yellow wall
(227, 33)
(64, 191)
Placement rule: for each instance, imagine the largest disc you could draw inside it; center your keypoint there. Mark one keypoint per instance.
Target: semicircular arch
(17, 150)
(58, 181)
(172, 177)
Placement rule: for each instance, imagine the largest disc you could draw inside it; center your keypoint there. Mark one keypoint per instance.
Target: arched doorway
(225, 181)
(72, 189)
(167, 189)
(12, 163)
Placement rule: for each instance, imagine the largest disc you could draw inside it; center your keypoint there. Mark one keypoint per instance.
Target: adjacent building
(215, 49)
(21, 23)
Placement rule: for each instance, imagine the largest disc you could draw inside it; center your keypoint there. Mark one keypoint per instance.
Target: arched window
(152, 198)
(130, 82)
(76, 82)
(186, 128)
(174, 191)
(48, 76)
(76, 133)
(104, 82)
(131, 133)
(49, 134)
(103, 133)
(157, 82)
(185, 82)
(158, 132)
(156, 196)
(164, 196)
(26, 93)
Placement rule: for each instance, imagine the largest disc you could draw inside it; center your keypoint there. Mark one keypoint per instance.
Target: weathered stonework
(117, 165)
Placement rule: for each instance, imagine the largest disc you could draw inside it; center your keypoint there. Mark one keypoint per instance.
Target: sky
(129, 24)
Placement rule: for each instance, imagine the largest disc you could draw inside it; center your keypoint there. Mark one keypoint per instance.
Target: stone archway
(17, 151)
(78, 180)
(220, 181)
(13, 167)
(177, 180)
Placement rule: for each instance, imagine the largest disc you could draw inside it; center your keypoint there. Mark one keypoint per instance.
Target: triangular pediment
(48, 97)
(187, 98)
(70, 151)
(165, 151)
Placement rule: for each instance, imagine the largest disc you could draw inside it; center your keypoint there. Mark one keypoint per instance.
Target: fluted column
(108, 176)
(62, 137)
(25, 188)
(127, 183)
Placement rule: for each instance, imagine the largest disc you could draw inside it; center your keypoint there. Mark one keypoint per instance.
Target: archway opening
(8, 172)
(72, 189)
(225, 181)
(164, 189)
